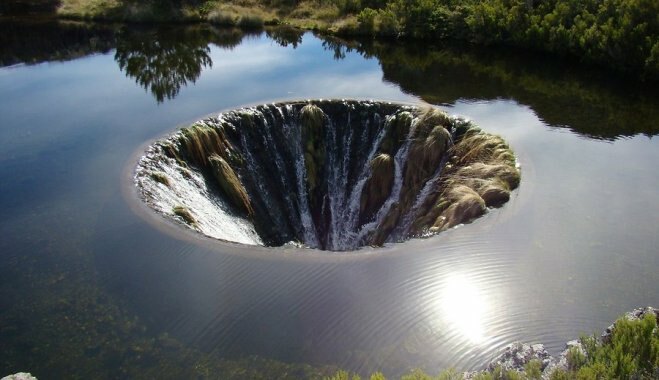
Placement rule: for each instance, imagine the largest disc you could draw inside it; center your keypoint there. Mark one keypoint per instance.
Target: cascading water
(333, 175)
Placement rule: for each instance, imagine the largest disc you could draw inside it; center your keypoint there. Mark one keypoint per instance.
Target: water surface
(88, 287)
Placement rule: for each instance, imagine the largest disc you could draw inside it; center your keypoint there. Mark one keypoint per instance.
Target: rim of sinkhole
(334, 175)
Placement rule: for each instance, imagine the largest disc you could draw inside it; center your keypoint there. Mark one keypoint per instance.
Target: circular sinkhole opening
(328, 174)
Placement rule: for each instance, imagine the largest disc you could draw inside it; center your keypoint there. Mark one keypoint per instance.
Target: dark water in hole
(89, 288)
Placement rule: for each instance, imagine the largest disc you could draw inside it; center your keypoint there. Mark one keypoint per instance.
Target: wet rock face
(333, 175)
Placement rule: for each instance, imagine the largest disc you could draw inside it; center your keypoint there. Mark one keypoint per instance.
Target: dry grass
(241, 14)
(160, 177)
(378, 187)
(89, 8)
(231, 184)
(184, 213)
(249, 14)
(312, 122)
(464, 204)
(481, 174)
(200, 142)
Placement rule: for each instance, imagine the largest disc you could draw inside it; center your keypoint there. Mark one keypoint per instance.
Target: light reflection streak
(465, 307)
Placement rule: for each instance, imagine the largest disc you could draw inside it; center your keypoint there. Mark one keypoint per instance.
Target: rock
(516, 355)
(20, 376)
(633, 315)
(562, 362)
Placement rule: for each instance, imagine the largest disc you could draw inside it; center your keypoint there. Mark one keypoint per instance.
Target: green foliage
(416, 374)
(533, 370)
(559, 374)
(621, 34)
(250, 22)
(349, 6)
(631, 353)
(618, 33)
(575, 358)
(343, 375)
(450, 374)
(161, 61)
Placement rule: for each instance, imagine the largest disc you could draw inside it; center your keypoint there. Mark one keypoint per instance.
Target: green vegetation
(632, 352)
(622, 34)
(159, 61)
(619, 34)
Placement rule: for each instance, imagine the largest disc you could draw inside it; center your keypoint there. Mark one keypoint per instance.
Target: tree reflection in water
(161, 61)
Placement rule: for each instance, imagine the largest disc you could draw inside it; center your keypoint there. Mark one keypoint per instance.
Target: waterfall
(302, 171)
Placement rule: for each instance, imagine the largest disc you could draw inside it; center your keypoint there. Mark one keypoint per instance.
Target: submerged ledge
(327, 174)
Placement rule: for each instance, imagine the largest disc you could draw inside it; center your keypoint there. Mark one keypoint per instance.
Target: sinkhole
(327, 174)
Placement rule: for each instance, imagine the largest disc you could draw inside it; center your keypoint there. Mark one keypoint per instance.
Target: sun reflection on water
(465, 307)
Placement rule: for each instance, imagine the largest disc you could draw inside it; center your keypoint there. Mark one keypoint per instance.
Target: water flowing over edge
(328, 174)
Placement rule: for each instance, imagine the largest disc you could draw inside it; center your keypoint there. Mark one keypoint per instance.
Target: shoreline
(387, 23)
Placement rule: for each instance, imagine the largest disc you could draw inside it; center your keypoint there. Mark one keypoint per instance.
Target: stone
(633, 315)
(516, 355)
(20, 376)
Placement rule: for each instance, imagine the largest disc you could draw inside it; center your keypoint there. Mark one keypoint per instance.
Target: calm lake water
(89, 286)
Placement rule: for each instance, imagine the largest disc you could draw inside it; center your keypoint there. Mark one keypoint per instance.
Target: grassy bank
(619, 34)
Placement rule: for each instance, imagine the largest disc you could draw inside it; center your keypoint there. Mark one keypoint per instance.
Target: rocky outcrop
(633, 315)
(516, 356)
(19, 376)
